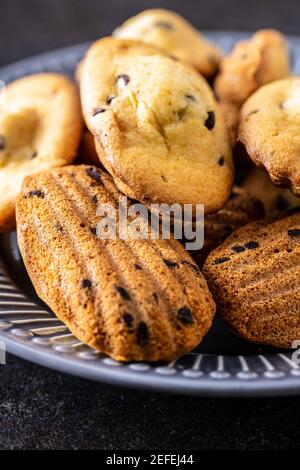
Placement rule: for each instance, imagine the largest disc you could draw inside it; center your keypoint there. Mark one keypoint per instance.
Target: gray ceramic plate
(223, 365)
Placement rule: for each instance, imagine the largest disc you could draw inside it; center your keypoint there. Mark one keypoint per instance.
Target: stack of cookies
(155, 117)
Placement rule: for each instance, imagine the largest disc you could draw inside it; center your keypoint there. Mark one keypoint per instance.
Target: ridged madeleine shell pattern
(255, 279)
(249, 370)
(239, 210)
(132, 299)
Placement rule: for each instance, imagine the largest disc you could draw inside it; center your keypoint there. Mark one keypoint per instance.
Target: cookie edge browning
(214, 55)
(8, 215)
(279, 178)
(212, 278)
(109, 143)
(208, 304)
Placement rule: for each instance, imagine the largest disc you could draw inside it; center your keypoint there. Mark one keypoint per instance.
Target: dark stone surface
(43, 409)
(32, 26)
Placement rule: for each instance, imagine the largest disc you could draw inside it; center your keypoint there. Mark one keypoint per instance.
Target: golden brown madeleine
(131, 299)
(239, 210)
(252, 63)
(259, 185)
(255, 279)
(162, 134)
(40, 128)
(269, 129)
(171, 32)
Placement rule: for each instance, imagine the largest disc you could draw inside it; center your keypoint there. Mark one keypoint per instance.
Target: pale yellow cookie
(175, 35)
(252, 63)
(162, 134)
(269, 129)
(40, 128)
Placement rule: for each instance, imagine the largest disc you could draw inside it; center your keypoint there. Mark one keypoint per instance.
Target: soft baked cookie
(269, 129)
(171, 32)
(258, 184)
(131, 299)
(161, 132)
(239, 210)
(40, 128)
(255, 279)
(252, 63)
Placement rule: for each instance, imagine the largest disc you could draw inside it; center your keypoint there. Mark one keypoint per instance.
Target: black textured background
(42, 409)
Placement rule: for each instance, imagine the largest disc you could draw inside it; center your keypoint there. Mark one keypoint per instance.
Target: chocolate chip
(58, 227)
(155, 297)
(251, 245)
(295, 232)
(123, 292)
(2, 143)
(171, 264)
(138, 267)
(251, 113)
(221, 260)
(95, 199)
(34, 155)
(192, 266)
(238, 248)
(37, 193)
(123, 79)
(86, 283)
(221, 161)
(164, 24)
(210, 121)
(93, 230)
(142, 334)
(281, 203)
(98, 111)
(190, 97)
(94, 174)
(109, 99)
(185, 315)
(128, 319)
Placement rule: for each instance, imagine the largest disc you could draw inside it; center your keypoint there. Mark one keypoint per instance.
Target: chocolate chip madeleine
(40, 128)
(259, 185)
(133, 299)
(251, 64)
(160, 131)
(269, 130)
(169, 31)
(255, 279)
(239, 210)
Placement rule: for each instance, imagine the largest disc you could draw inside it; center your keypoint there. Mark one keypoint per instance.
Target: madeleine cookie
(131, 299)
(255, 279)
(40, 128)
(172, 33)
(239, 210)
(258, 184)
(160, 131)
(253, 63)
(269, 129)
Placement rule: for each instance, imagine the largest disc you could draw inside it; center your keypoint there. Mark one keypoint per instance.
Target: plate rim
(145, 380)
